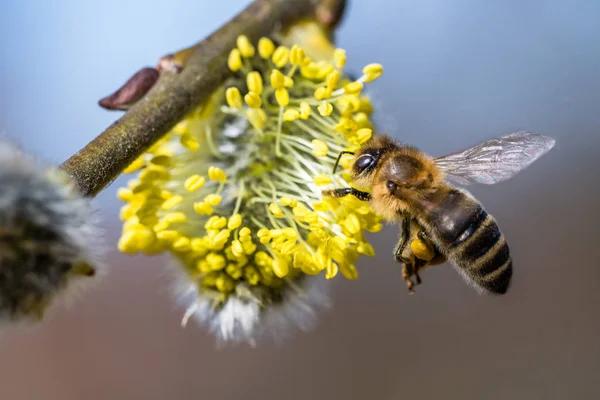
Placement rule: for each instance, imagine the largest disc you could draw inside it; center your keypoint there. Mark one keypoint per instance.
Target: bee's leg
(404, 237)
(418, 265)
(407, 273)
(363, 196)
(424, 249)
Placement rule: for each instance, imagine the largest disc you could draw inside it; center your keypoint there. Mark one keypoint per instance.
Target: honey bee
(440, 222)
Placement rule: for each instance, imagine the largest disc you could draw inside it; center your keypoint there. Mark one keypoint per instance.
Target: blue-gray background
(456, 72)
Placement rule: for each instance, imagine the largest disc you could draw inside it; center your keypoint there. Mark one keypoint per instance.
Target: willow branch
(178, 91)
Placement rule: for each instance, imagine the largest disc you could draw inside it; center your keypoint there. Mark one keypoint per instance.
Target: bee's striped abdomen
(472, 240)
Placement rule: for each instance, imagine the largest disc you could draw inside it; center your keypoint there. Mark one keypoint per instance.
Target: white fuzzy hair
(242, 319)
(45, 228)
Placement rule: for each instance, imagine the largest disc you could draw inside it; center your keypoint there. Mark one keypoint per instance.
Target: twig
(178, 90)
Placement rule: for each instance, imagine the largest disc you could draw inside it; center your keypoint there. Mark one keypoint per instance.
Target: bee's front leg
(342, 192)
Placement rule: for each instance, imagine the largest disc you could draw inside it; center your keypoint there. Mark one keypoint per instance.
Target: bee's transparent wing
(495, 160)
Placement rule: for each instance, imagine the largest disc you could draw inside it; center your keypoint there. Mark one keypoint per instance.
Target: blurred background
(456, 73)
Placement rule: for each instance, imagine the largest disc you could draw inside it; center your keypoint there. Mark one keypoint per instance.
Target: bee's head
(367, 159)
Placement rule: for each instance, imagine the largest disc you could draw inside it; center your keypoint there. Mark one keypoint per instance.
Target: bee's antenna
(337, 161)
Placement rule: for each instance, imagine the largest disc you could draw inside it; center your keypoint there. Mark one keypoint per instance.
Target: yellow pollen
(333, 79)
(174, 217)
(275, 210)
(291, 115)
(172, 202)
(289, 233)
(300, 211)
(372, 72)
(194, 183)
(352, 223)
(124, 194)
(224, 283)
(234, 62)
(339, 55)
(320, 148)
(321, 206)
(366, 249)
(253, 100)
(235, 221)
(135, 165)
(236, 248)
(363, 135)
(254, 82)
(182, 127)
(282, 96)
(304, 110)
(296, 55)
(245, 233)
(325, 109)
(203, 209)
(251, 275)
(322, 180)
(281, 267)
(257, 117)
(181, 244)
(162, 160)
(277, 79)
(216, 174)
(322, 93)
(246, 48)
(189, 142)
(249, 247)
(288, 201)
(215, 261)
(353, 87)
(265, 48)
(168, 236)
(136, 239)
(212, 199)
(220, 238)
(331, 270)
(281, 56)
(349, 271)
(264, 236)
(288, 82)
(233, 97)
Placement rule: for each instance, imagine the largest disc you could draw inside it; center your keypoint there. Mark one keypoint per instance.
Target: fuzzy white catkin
(241, 319)
(48, 241)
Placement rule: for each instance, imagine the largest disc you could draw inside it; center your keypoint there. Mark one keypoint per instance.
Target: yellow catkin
(257, 224)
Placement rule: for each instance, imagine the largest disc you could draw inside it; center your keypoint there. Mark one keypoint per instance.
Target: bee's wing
(495, 160)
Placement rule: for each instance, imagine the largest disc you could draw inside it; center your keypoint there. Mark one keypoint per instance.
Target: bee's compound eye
(391, 186)
(364, 162)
